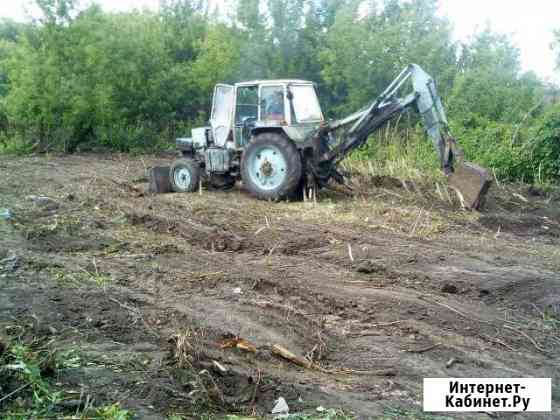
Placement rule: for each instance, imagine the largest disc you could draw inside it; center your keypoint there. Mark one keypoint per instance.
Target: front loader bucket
(471, 183)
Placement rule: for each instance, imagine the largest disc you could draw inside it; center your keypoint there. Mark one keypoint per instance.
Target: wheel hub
(182, 177)
(266, 168)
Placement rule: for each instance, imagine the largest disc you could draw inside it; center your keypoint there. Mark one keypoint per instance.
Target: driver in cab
(274, 109)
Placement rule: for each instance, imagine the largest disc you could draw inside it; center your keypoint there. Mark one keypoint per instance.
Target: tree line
(84, 79)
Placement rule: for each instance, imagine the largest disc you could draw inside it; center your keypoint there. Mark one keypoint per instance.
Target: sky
(529, 22)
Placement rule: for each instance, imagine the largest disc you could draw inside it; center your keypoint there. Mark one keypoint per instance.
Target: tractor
(272, 135)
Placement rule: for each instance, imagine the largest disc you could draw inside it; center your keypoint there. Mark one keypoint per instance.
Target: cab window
(272, 103)
(305, 103)
(247, 104)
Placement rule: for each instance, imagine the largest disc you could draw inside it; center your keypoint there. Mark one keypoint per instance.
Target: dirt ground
(377, 288)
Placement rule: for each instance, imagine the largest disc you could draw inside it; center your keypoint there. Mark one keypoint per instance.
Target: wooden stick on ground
(288, 355)
(423, 349)
(300, 361)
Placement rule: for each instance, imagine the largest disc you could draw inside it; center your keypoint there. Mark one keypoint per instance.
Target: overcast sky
(529, 22)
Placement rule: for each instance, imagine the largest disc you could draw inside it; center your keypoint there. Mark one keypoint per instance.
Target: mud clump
(383, 181)
(210, 238)
(150, 222)
(166, 249)
(535, 191)
(371, 267)
(301, 245)
(450, 289)
(221, 243)
(62, 241)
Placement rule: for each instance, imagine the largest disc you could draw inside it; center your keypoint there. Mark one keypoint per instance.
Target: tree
(218, 61)
(489, 83)
(78, 78)
(255, 46)
(364, 51)
(10, 30)
(92, 76)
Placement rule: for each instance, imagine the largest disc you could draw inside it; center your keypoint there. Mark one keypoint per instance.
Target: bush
(93, 79)
(543, 149)
(132, 81)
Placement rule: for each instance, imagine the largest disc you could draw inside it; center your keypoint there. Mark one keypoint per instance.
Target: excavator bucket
(471, 182)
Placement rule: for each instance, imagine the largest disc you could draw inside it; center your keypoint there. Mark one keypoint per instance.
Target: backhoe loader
(272, 135)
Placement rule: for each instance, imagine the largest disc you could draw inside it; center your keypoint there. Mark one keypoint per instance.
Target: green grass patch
(27, 378)
(79, 278)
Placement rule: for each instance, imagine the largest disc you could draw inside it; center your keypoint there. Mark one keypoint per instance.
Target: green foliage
(121, 81)
(10, 30)
(364, 53)
(489, 144)
(542, 151)
(492, 104)
(27, 371)
(84, 79)
(175, 417)
(489, 84)
(400, 153)
(113, 412)
(14, 145)
(27, 367)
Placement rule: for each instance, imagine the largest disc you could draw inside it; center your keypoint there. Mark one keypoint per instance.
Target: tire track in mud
(300, 289)
(255, 247)
(316, 242)
(198, 233)
(264, 320)
(243, 316)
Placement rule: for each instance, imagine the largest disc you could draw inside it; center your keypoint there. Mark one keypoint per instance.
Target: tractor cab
(244, 109)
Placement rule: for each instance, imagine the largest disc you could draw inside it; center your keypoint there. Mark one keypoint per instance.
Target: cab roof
(273, 82)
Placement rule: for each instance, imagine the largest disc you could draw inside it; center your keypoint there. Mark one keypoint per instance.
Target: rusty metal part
(471, 182)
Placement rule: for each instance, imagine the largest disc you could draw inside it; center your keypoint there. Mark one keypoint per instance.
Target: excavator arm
(470, 181)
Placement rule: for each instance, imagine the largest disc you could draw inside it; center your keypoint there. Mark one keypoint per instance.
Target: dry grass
(400, 168)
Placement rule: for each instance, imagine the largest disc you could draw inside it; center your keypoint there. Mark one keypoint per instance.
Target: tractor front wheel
(184, 175)
(271, 167)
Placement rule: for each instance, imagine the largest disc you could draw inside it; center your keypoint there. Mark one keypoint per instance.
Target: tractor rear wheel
(271, 167)
(184, 175)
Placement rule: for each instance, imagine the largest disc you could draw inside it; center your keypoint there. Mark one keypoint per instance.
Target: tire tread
(294, 164)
